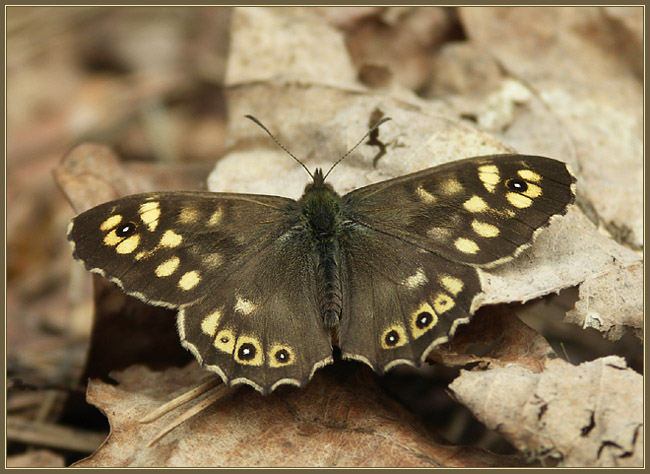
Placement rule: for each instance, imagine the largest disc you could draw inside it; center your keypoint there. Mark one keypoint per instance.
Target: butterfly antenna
(279, 144)
(374, 127)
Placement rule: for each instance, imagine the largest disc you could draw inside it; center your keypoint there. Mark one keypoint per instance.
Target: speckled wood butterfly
(263, 284)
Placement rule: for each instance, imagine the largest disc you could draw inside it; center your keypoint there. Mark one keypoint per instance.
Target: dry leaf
(566, 254)
(339, 419)
(589, 415)
(495, 338)
(612, 302)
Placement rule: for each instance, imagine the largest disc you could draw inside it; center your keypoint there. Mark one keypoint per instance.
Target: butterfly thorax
(320, 207)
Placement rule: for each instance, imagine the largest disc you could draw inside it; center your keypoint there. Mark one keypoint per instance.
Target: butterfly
(264, 285)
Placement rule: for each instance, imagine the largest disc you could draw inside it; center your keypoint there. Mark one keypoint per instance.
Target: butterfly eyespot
(225, 339)
(392, 338)
(517, 185)
(282, 356)
(424, 320)
(125, 229)
(247, 351)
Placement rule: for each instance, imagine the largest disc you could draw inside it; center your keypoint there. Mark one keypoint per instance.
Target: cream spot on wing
(484, 229)
(415, 280)
(452, 284)
(111, 222)
(519, 200)
(188, 215)
(189, 280)
(443, 302)
(248, 351)
(281, 355)
(150, 213)
(424, 195)
(422, 319)
(439, 233)
(475, 204)
(466, 245)
(394, 336)
(210, 323)
(224, 341)
(244, 306)
(451, 186)
(529, 175)
(112, 239)
(489, 176)
(128, 245)
(167, 267)
(213, 259)
(171, 239)
(215, 218)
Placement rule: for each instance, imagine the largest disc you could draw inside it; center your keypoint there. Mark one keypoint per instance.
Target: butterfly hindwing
(264, 328)
(402, 303)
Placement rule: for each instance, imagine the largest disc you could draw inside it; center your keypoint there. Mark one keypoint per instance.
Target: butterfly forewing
(478, 211)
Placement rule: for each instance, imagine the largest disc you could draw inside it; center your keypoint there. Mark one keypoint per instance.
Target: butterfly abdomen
(329, 284)
(321, 211)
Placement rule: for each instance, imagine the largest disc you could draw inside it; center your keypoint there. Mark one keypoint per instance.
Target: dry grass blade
(217, 393)
(180, 400)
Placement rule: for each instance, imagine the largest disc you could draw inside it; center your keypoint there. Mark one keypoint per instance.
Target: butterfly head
(318, 187)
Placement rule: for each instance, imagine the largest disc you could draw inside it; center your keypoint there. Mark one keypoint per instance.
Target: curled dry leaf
(340, 419)
(495, 337)
(586, 415)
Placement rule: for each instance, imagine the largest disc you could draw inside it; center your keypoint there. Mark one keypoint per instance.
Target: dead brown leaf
(339, 419)
(589, 415)
(495, 338)
(612, 302)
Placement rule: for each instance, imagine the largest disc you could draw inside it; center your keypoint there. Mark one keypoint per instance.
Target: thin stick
(180, 400)
(218, 393)
(385, 119)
